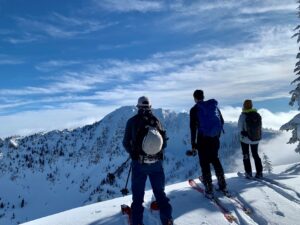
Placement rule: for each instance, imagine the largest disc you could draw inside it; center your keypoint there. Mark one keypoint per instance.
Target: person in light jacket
(246, 142)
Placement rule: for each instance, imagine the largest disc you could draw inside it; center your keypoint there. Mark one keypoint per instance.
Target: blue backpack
(209, 118)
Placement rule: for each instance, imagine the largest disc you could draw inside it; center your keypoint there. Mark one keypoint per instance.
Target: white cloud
(269, 119)
(110, 72)
(277, 149)
(231, 114)
(196, 7)
(258, 70)
(276, 120)
(290, 6)
(102, 47)
(10, 62)
(69, 83)
(81, 113)
(21, 40)
(197, 16)
(130, 5)
(56, 26)
(76, 115)
(7, 60)
(189, 8)
(12, 104)
(56, 64)
(68, 116)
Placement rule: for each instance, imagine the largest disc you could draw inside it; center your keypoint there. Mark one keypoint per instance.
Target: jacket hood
(144, 111)
(249, 110)
(209, 101)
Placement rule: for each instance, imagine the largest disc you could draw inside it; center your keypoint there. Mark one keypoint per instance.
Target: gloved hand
(194, 146)
(244, 133)
(192, 152)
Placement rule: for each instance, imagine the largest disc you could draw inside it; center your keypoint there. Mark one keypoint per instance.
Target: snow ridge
(46, 173)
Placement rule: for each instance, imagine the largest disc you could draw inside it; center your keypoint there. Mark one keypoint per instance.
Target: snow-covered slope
(47, 173)
(277, 203)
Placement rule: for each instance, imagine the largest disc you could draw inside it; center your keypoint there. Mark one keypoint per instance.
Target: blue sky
(68, 63)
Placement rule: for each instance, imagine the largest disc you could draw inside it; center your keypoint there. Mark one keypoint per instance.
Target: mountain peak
(73, 165)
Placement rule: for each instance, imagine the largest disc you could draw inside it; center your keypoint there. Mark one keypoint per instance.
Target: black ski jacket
(131, 142)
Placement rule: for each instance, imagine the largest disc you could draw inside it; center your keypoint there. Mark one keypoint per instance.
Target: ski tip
(231, 218)
(125, 209)
(154, 206)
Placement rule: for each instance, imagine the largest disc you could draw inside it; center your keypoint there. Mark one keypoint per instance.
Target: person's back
(142, 140)
(205, 133)
(249, 128)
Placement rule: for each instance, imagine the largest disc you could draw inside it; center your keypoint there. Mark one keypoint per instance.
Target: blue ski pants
(156, 175)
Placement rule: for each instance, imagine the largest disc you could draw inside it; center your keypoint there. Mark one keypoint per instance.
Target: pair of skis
(126, 210)
(215, 200)
(233, 199)
(227, 214)
(236, 201)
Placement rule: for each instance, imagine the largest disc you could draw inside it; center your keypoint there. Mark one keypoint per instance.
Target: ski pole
(123, 164)
(125, 191)
(111, 176)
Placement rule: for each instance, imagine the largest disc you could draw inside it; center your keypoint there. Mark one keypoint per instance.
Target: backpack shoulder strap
(152, 121)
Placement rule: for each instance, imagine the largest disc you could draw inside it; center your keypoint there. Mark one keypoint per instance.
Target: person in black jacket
(146, 165)
(206, 146)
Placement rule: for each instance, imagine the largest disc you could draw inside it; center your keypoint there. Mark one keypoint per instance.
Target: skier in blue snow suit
(143, 166)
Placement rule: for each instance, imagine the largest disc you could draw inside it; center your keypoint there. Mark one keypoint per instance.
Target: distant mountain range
(71, 166)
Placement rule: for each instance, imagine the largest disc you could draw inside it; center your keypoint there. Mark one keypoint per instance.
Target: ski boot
(222, 185)
(209, 193)
(248, 175)
(259, 175)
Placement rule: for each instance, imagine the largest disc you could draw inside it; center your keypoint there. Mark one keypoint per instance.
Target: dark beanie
(198, 94)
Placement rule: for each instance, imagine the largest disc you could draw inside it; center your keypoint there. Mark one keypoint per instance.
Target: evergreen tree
(267, 163)
(294, 124)
(1, 142)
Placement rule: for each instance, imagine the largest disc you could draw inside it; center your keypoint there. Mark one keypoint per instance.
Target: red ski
(233, 199)
(126, 211)
(227, 214)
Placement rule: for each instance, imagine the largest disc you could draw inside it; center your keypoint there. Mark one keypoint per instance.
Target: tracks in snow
(282, 189)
